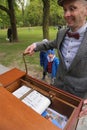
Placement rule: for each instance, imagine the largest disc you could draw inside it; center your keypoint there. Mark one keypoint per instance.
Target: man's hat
(60, 2)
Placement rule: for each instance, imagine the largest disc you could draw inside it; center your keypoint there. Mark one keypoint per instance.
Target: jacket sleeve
(55, 67)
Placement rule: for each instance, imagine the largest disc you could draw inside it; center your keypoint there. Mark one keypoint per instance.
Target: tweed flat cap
(60, 2)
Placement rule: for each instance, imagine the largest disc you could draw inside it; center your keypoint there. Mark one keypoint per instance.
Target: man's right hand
(30, 49)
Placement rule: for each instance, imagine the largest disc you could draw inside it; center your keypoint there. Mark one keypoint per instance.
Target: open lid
(11, 76)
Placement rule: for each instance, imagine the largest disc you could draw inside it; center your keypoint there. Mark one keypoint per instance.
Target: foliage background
(32, 13)
(29, 27)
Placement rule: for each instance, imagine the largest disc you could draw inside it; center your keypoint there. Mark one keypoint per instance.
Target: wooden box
(16, 115)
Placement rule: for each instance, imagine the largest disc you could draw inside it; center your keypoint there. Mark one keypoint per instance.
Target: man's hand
(84, 109)
(30, 49)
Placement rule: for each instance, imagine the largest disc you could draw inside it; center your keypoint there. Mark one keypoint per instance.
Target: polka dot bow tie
(74, 35)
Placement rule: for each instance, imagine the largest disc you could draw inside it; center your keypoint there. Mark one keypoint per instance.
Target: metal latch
(51, 94)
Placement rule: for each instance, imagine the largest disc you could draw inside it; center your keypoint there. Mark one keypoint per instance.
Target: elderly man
(71, 44)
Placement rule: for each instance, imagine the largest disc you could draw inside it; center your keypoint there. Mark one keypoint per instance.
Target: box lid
(15, 115)
(11, 76)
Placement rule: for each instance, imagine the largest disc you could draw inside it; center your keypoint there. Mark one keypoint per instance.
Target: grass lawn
(11, 53)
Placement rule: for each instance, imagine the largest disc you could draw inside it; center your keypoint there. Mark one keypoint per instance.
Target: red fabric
(49, 69)
(75, 35)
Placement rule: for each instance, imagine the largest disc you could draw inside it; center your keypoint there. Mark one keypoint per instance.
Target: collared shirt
(71, 45)
(50, 59)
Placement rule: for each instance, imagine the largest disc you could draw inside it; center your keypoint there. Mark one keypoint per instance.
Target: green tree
(46, 14)
(33, 13)
(4, 19)
(22, 6)
(56, 14)
(12, 19)
(9, 9)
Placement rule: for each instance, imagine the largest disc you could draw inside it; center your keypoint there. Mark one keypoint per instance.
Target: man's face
(75, 12)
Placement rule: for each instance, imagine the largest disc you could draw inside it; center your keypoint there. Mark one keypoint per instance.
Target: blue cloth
(54, 67)
(51, 52)
(55, 64)
(43, 59)
(44, 62)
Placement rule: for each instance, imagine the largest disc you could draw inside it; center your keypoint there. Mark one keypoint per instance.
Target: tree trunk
(12, 20)
(46, 13)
